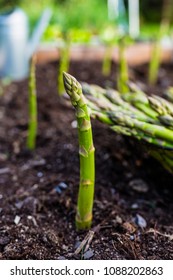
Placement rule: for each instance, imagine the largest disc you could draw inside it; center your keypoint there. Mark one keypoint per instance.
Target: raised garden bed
(136, 54)
(38, 191)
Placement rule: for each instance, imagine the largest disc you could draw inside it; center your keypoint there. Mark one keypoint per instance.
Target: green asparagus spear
(63, 63)
(86, 153)
(157, 48)
(123, 67)
(160, 105)
(136, 133)
(167, 121)
(110, 99)
(32, 129)
(107, 60)
(150, 129)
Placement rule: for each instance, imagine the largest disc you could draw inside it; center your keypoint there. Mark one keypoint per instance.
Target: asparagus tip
(72, 87)
(67, 79)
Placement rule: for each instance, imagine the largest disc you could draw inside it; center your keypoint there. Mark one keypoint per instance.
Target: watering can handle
(38, 32)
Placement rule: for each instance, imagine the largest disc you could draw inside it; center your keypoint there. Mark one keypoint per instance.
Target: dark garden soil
(133, 209)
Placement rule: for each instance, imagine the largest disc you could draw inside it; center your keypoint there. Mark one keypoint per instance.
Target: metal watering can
(16, 48)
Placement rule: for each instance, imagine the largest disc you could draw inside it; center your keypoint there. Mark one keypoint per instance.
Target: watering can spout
(38, 32)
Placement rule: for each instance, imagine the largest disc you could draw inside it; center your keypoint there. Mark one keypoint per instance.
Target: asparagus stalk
(63, 63)
(161, 106)
(32, 128)
(156, 50)
(86, 153)
(139, 99)
(166, 120)
(111, 99)
(166, 162)
(139, 135)
(106, 66)
(154, 62)
(102, 117)
(150, 129)
(123, 68)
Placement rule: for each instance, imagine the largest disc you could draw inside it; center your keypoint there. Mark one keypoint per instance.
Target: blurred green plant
(66, 13)
(80, 35)
(32, 127)
(109, 37)
(64, 61)
(67, 39)
(157, 48)
(123, 72)
(6, 5)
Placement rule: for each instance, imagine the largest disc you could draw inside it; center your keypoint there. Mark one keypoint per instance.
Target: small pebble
(33, 220)
(19, 204)
(77, 244)
(119, 219)
(132, 238)
(63, 185)
(57, 189)
(1, 196)
(17, 219)
(74, 124)
(39, 162)
(39, 174)
(60, 187)
(134, 206)
(139, 185)
(35, 187)
(140, 221)
(88, 254)
(4, 170)
(64, 247)
(61, 258)
(68, 146)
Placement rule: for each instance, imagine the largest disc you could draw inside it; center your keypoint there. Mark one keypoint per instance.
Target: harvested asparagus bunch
(146, 118)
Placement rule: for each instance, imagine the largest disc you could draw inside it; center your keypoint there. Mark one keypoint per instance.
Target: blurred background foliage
(84, 14)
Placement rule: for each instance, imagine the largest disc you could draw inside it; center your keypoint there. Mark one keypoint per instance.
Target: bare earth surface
(133, 196)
